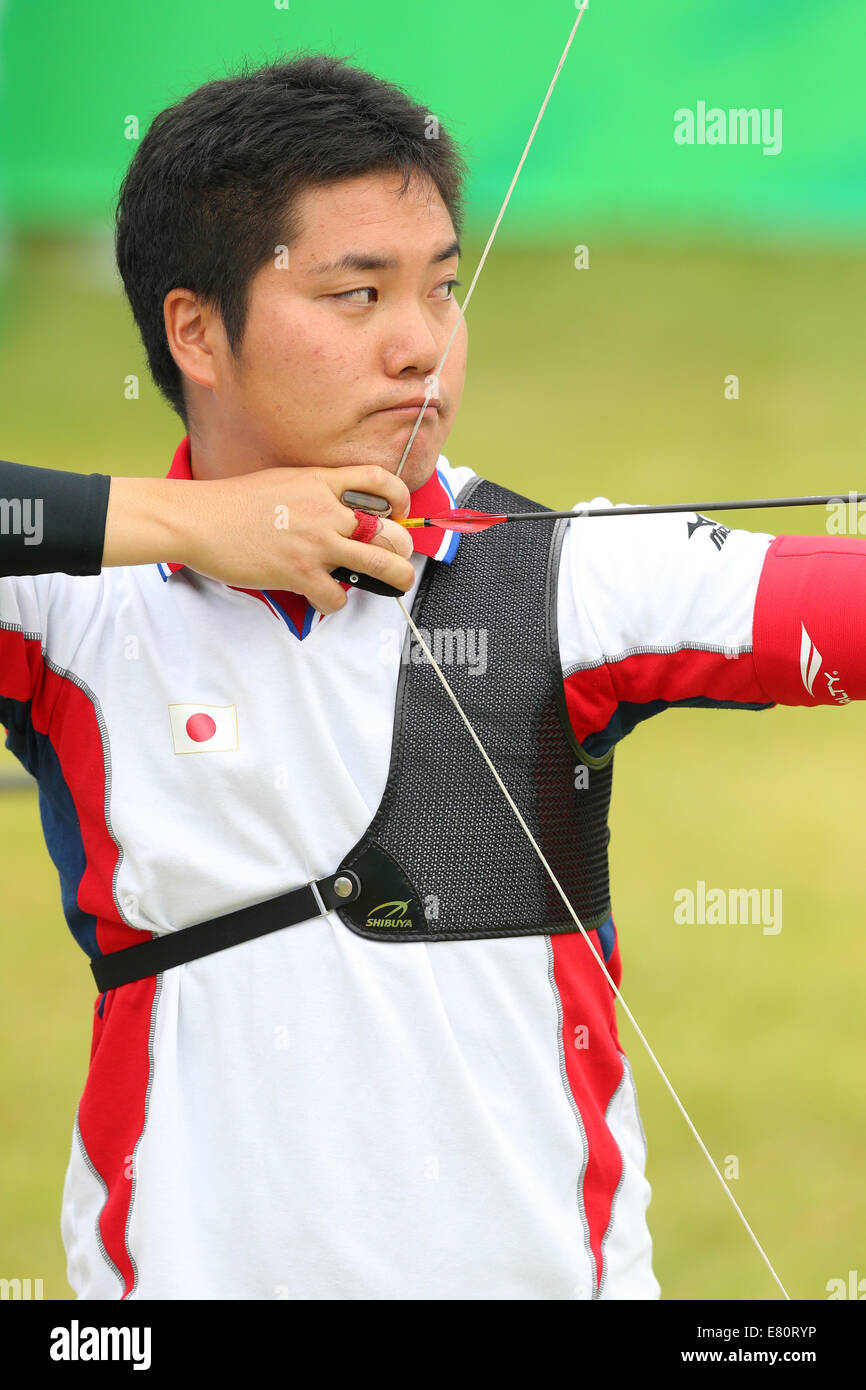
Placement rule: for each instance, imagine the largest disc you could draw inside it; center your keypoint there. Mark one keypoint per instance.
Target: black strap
(203, 939)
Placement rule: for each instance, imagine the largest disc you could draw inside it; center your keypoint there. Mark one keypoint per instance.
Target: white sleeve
(655, 611)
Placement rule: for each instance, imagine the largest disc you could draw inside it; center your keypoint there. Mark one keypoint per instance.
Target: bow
(430, 391)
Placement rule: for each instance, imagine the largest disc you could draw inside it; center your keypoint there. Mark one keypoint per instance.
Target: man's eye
(347, 294)
(450, 286)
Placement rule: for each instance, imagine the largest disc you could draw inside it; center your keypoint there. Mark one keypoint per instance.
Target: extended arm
(679, 610)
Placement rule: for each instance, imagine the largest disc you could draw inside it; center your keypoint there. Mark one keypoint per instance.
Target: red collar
(432, 498)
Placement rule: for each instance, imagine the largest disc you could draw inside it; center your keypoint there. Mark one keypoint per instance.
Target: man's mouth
(412, 407)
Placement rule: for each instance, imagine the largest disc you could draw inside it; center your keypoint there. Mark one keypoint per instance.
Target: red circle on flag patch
(200, 727)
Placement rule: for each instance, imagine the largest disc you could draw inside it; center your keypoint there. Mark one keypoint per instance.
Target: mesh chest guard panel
(444, 856)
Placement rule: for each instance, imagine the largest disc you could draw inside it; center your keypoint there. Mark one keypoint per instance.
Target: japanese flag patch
(204, 728)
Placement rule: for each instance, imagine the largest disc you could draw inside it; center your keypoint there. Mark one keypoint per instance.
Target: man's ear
(193, 331)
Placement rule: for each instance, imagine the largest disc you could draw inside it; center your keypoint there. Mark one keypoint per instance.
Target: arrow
(468, 522)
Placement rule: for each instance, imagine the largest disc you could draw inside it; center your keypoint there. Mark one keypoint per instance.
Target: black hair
(217, 172)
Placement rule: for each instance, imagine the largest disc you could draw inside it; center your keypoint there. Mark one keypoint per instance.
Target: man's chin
(416, 471)
(423, 456)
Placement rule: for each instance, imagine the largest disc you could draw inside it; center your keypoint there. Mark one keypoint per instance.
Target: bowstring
(476, 740)
(431, 389)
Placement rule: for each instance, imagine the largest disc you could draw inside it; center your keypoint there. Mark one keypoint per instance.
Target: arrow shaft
(730, 506)
(469, 521)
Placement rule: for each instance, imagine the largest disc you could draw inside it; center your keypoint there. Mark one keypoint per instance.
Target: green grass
(607, 382)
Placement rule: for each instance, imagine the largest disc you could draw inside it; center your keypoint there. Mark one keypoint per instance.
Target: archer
(278, 1059)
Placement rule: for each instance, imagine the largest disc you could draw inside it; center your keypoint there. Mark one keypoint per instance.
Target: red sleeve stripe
(594, 1070)
(598, 696)
(20, 663)
(112, 1110)
(810, 620)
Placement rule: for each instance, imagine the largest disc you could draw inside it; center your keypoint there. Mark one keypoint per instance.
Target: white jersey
(313, 1115)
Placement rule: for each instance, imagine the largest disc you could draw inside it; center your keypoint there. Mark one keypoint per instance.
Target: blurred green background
(704, 261)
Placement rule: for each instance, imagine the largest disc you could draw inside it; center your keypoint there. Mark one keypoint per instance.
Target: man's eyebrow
(354, 261)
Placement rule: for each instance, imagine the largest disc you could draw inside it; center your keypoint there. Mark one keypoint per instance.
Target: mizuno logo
(718, 533)
(810, 659)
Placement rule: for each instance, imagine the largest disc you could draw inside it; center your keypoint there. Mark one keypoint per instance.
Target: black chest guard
(444, 858)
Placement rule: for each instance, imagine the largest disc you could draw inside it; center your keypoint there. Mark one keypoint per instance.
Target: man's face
(348, 329)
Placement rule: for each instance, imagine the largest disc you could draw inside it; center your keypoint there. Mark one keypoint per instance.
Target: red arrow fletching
(466, 521)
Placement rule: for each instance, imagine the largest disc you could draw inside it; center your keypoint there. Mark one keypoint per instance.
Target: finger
(346, 522)
(326, 595)
(369, 477)
(390, 536)
(375, 561)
